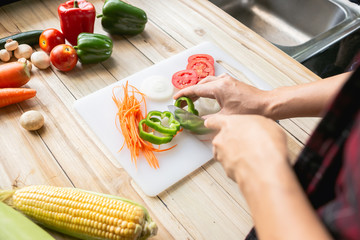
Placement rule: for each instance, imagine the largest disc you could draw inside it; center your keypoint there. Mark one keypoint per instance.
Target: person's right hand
(250, 147)
(233, 96)
(253, 151)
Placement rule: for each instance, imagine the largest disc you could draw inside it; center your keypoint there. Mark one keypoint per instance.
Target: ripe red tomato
(201, 56)
(202, 67)
(63, 57)
(184, 78)
(50, 38)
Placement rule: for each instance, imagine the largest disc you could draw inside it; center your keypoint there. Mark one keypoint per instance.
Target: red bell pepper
(76, 16)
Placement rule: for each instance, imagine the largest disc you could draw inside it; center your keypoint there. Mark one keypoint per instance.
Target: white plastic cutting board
(98, 110)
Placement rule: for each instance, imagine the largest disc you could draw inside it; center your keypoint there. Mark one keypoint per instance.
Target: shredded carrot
(127, 121)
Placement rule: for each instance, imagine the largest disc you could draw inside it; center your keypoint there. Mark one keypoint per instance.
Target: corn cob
(82, 214)
(11, 220)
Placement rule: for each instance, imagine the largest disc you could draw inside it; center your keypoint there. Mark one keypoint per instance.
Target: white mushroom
(5, 55)
(11, 45)
(23, 51)
(40, 59)
(32, 120)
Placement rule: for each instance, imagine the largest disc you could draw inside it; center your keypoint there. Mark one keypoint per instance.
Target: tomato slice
(201, 56)
(184, 78)
(202, 67)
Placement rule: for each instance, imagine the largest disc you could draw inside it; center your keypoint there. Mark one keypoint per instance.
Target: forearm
(280, 208)
(306, 100)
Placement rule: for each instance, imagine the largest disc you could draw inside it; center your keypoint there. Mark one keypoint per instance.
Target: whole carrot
(14, 75)
(14, 95)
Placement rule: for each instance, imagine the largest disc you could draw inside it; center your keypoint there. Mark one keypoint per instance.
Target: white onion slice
(207, 106)
(157, 88)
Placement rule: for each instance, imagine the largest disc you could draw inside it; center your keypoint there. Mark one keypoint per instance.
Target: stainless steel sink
(301, 28)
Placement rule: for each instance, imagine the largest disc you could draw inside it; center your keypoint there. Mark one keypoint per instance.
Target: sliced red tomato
(202, 67)
(184, 78)
(201, 56)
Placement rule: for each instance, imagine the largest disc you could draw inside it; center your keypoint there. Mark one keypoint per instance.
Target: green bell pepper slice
(150, 136)
(93, 47)
(191, 122)
(189, 103)
(122, 18)
(173, 125)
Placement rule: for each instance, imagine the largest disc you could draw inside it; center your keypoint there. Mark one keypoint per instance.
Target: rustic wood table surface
(65, 152)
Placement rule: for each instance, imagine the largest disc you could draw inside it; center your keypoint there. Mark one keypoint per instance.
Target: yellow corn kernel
(82, 214)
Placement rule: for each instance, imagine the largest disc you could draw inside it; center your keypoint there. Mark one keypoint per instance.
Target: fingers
(201, 89)
(208, 116)
(212, 78)
(186, 92)
(215, 121)
(196, 91)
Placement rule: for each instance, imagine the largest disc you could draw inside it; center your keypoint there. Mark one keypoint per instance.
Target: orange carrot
(14, 95)
(129, 115)
(14, 75)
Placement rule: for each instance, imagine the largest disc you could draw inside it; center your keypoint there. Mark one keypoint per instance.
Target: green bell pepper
(173, 125)
(189, 103)
(122, 18)
(165, 133)
(93, 47)
(150, 136)
(191, 122)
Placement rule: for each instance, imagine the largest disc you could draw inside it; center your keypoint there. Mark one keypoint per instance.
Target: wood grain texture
(204, 205)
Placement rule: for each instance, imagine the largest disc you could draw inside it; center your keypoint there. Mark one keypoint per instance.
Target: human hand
(249, 147)
(233, 96)
(252, 150)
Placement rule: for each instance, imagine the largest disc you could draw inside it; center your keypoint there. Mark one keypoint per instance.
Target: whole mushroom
(11, 45)
(23, 51)
(5, 55)
(32, 120)
(40, 60)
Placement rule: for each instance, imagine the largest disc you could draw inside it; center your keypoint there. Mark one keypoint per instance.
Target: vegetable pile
(77, 19)
(91, 48)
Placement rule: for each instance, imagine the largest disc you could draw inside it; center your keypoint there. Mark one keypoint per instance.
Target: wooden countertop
(204, 205)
